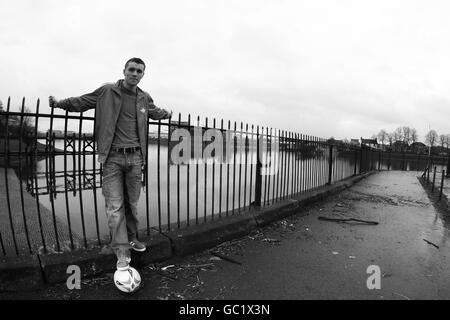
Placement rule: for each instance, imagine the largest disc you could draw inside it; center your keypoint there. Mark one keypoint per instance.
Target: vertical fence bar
(302, 161)
(442, 184)
(292, 162)
(278, 166)
(8, 200)
(316, 162)
(361, 160)
(80, 179)
(448, 162)
(178, 181)
(258, 177)
(234, 166)
(206, 178)
(274, 164)
(330, 164)
(251, 170)
(214, 172)
(20, 176)
(168, 174)
(308, 137)
(38, 207)
(289, 174)
(69, 225)
(434, 179)
(188, 174)
(47, 173)
(145, 173)
(379, 160)
(196, 171)
(158, 175)
(228, 172)
(285, 164)
(281, 166)
(246, 148)
(418, 162)
(240, 168)
(220, 167)
(265, 164)
(269, 164)
(94, 179)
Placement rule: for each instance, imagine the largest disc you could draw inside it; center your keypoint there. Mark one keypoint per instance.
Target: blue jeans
(121, 188)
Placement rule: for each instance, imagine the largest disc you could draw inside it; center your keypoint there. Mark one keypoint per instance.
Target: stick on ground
(348, 220)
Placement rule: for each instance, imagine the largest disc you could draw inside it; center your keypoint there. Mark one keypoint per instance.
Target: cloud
(326, 68)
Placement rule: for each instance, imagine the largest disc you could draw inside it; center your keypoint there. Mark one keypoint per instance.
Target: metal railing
(426, 179)
(52, 181)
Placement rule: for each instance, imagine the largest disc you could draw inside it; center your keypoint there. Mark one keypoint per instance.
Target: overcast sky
(327, 68)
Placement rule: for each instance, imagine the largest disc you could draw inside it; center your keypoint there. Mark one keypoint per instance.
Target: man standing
(121, 125)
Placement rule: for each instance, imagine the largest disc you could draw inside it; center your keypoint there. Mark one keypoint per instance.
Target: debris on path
(221, 256)
(401, 295)
(271, 240)
(431, 243)
(167, 267)
(348, 220)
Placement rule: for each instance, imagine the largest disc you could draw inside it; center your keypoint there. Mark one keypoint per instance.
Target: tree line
(409, 135)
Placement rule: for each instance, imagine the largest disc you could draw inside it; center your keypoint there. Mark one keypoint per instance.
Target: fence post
(379, 160)
(389, 160)
(356, 159)
(403, 162)
(448, 165)
(418, 162)
(258, 177)
(442, 184)
(434, 179)
(361, 160)
(330, 164)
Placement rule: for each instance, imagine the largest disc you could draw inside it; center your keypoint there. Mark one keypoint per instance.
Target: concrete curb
(210, 234)
(32, 272)
(20, 273)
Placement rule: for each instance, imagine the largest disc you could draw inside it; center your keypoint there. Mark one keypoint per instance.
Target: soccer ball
(127, 280)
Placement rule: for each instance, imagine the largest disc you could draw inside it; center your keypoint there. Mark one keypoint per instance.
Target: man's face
(133, 73)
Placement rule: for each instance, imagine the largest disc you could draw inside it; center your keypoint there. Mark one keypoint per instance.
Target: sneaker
(137, 245)
(123, 263)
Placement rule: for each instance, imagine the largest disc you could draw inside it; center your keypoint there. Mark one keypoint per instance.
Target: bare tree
(390, 138)
(398, 134)
(442, 139)
(406, 132)
(431, 137)
(382, 136)
(447, 141)
(414, 135)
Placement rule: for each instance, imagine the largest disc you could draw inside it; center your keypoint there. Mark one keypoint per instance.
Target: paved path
(304, 258)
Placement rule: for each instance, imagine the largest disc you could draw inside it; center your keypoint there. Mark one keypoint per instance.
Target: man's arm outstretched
(77, 104)
(156, 113)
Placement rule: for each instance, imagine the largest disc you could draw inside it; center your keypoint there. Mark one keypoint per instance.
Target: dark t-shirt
(126, 134)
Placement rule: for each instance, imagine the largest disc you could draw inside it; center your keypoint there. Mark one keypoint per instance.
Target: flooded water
(194, 192)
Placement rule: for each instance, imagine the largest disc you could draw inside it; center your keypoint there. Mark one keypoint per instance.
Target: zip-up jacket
(107, 102)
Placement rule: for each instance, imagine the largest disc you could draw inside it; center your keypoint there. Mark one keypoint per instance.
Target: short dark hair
(135, 60)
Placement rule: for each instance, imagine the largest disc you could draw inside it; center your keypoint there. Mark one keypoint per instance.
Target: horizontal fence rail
(196, 170)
